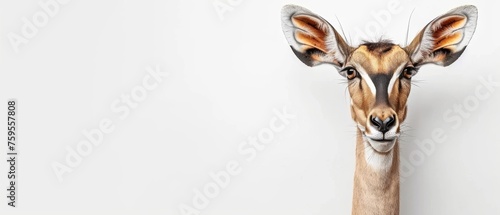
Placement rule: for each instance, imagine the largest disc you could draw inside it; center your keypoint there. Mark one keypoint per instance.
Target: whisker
(408, 28)
(342, 81)
(345, 92)
(406, 132)
(419, 81)
(350, 39)
(341, 28)
(415, 84)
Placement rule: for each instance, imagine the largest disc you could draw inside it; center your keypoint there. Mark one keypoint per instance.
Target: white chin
(383, 146)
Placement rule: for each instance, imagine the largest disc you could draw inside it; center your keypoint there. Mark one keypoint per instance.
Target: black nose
(383, 126)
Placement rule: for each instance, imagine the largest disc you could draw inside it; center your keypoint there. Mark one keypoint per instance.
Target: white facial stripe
(395, 76)
(367, 78)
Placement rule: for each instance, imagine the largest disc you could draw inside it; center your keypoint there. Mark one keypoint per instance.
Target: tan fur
(379, 63)
(375, 63)
(375, 192)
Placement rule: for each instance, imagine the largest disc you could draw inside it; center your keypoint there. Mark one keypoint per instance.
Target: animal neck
(376, 180)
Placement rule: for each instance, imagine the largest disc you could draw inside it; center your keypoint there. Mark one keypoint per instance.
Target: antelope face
(378, 74)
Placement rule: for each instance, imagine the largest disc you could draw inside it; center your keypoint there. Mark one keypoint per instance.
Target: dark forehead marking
(379, 47)
(381, 82)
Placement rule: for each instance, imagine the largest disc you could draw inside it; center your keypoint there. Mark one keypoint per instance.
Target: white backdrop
(187, 136)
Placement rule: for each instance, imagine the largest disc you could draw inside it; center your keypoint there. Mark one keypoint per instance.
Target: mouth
(381, 145)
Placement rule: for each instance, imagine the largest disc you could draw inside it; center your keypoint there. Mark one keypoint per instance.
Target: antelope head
(378, 74)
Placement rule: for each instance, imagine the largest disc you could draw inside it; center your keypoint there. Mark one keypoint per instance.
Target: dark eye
(409, 72)
(350, 73)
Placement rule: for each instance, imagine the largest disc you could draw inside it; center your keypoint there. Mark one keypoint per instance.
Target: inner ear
(313, 32)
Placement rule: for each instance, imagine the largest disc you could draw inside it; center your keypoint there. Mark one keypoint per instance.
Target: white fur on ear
(311, 37)
(286, 23)
(444, 39)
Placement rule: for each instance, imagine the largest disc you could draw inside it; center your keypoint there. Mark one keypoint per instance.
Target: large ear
(312, 38)
(445, 38)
